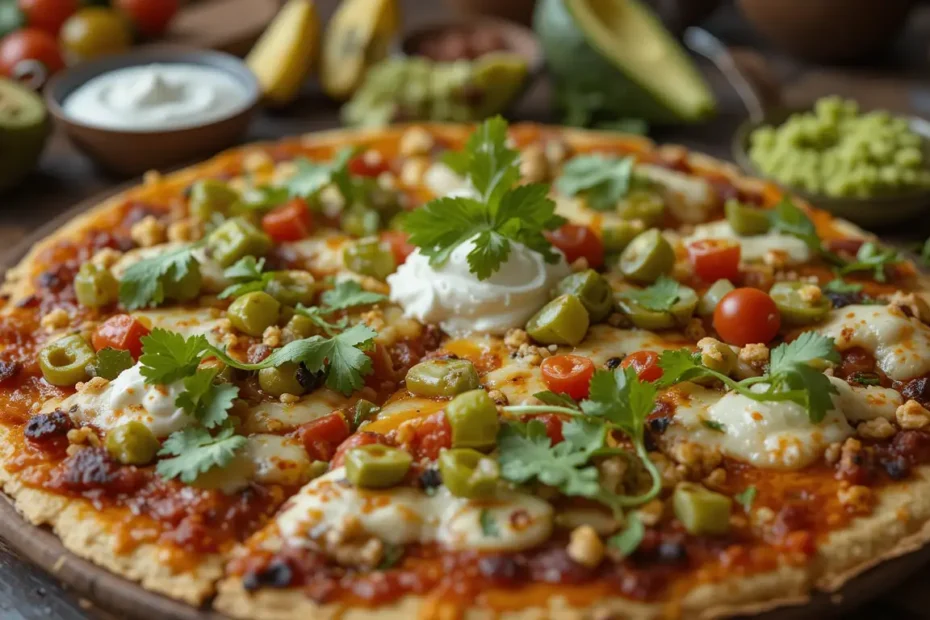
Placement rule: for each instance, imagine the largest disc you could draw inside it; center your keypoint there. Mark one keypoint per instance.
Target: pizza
(445, 371)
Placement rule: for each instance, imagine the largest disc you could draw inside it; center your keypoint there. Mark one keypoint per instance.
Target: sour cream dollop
(462, 304)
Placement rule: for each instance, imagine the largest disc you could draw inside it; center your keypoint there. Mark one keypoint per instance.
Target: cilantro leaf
(620, 397)
(489, 526)
(659, 297)
(601, 180)
(628, 540)
(196, 451)
(143, 283)
(348, 294)
(714, 425)
(838, 285)
(207, 402)
(110, 363)
(807, 347)
(310, 176)
(790, 219)
(679, 365)
(244, 269)
(168, 356)
(493, 166)
(872, 257)
(557, 400)
(746, 497)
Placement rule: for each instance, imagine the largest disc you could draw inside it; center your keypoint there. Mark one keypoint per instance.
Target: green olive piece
(254, 312)
(186, 288)
(468, 473)
(210, 196)
(376, 466)
(473, 419)
(235, 239)
(646, 206)
(95, 286)
(360, 221)
(369, 257)
(677, 315)
(443, 378)
(794, 309)
(713, 295)
(132, 443)
(317, 469)
(64, 362)
(280, 380)
(616, 235)
(745, 220)
(302, 326)
(648, 256)
(292, 287)
(593, 290)
(702, 512)
(564, 320)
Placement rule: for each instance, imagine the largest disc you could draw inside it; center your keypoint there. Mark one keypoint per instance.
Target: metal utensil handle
(702, 42)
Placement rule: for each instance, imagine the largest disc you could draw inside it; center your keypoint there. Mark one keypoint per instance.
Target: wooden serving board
(226, 25)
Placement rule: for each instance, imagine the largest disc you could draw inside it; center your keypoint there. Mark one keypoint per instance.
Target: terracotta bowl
(129, 152)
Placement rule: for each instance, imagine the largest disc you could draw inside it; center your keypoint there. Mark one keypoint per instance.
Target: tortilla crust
(900, 522)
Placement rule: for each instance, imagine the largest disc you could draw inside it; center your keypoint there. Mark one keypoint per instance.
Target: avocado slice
(24, 126)
(500, 76)
(614, 59)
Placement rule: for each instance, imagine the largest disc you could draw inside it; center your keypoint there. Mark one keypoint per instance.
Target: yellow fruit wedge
(285, 53)
(358, 36)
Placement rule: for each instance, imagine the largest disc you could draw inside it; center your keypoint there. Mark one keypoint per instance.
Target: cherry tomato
(400, 247)
(568, 374)
(362, 438)
(48, 15)
(29, 44)
(289, 222)
(576, 242)
(715, 259)
(746, 316)
(368, 166)
(150, 17)
(120, 332)
(431, 436)
(95, 31)
(322, 436)
(553, 425)
(645, 363)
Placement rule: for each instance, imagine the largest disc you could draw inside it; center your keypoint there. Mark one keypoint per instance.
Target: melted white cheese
(275, 416)
(691, 198)
(404, 515)
(441, 180)
(900, 345)
(277, 460)
(322, 254)
(865, 402)
(210, 322)
(754, 248)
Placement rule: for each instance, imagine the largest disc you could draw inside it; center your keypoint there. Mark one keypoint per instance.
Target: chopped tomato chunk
(568, 374)
(400, 247)
(432, 435)
(576, 241)
(715, 259)
(645, 363)
(120, 332)
(289, 222)
(321, 437)
(368, 164)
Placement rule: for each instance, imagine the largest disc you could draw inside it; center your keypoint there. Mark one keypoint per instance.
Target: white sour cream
(462, 304)
(156, 97)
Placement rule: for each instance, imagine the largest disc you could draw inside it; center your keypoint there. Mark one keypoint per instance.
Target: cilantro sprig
(196, 451)
(143, 283)
(311, 176)
(790, 377)
(247, 276)
(602, 180)
(501, 214)
(659, 297)
(346, 294)
(873, 258)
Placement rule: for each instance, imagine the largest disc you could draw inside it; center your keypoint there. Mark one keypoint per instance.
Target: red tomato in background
(568, 374)
(120, 332)
(289, 222)
(715, 259)
(645, 363)
(577, 241)
(150, 18)
(368, 166)
(48, 15)
(29, 44)
(747, 316)
(400, 247)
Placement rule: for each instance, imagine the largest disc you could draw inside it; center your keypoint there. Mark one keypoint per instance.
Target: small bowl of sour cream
(154, 108)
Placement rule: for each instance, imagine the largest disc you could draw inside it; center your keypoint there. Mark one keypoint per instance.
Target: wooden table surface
(897, 82)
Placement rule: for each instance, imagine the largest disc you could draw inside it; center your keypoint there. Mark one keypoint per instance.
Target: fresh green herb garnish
(601, 180)
(143, 283)
(168, 356)
(628, 540)
(558, 400)
(659, 297)
(874, 258)
(746, 497)
(111, 362)
(392, 555)
(838, 285)
(790, 376)
(206, 401)
(196, 452)
(312, 176)
(864, 378)
(248, 277)
(345, 295)
(714, 426)
(489, 526)
(788, 218)
(502, 214)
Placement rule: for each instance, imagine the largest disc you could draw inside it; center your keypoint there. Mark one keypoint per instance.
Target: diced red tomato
(431, 436)
(362, 438)
(747, 316)
(645, 363)
(48, 15)
(322, 436)
(553, 425)
(715, 259)
(568, 374)
(291, 221)
(576, 241)
(366, 165)
(120, 332)
(400, 247)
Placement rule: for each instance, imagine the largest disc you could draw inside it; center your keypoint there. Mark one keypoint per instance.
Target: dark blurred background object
(517, 10)
(679, 14)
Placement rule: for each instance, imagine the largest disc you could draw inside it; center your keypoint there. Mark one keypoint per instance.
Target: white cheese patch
(441, 180)
(320, 253)
(900, 345)
(404, 515)
(209, 322)
(275, 416)
(277, 460)
(865, 402)
(691, 199)
(754, 248)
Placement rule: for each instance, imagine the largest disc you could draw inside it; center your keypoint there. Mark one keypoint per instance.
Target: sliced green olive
(648, 256)
(235, 239)
(468, 473)
(132, 443)
(593, 290)
(713, 295)
(317, 469)
(188, 287)
(283, 379)
(702, 512)
(616, 235)
(360, 221)
(677, 315)
(377, 466)
(564, 320)
(369, 257)
(95, 286)
(292, 287)
(745, 220)
(643, 205)
(211, 196)
(64, 362)
(254, 312)
(473, 419)
(444, 378)
(796, 310)
(302, 326)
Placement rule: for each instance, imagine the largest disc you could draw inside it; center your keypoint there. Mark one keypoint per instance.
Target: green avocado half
(24, 127)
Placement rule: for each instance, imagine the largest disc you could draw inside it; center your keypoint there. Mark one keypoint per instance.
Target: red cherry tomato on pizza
(645, 363)
(365, 165)
(576, 242)
(400, 247)
(150, 17)
(48, 15)
(289, 222)
(715, 259)
(29, 44)
(120, 332)
(746, 316)
(431, 436)
(568, 374)
(323, 436)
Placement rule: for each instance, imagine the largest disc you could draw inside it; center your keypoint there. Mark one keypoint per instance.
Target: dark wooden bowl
(127, 152)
